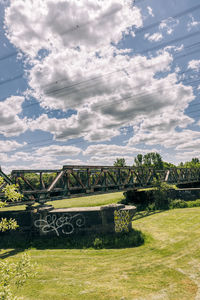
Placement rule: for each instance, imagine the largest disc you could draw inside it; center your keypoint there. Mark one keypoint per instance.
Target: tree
(154, 160)
(167, 165)
(149, 160)
(194, 163)
(11, 273)
(120, 162)
(138, 160)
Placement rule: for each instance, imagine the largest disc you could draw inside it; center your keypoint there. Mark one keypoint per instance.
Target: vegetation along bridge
(76, 181)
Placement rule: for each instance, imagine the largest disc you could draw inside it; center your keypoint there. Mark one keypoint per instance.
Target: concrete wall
(47, 221)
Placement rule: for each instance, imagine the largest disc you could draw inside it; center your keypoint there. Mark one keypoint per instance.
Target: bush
(178, 203)
(195, 203)
(162, 201)
(133, 238)
(98, 243)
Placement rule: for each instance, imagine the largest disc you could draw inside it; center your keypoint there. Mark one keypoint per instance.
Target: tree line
(154, 160)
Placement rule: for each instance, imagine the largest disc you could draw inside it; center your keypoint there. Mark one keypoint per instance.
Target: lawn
(167, 266)
(94, 200)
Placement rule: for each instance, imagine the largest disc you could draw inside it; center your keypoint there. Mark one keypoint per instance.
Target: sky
(84, 82)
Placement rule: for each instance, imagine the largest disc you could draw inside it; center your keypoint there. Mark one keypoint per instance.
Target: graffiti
(66, 223)
(122, 220)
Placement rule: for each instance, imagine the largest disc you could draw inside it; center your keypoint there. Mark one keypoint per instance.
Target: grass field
(95, 200)
(167, 266)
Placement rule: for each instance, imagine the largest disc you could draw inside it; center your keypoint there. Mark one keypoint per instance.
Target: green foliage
(13, 274)
(161, 198)
(138, 160)
(149, 160)
(120, 162)
(194, 163)
(195, 203)
(6, 224)
(178, 203)
(167, 165)
(11, 192)
(133, 238)
(98, 243)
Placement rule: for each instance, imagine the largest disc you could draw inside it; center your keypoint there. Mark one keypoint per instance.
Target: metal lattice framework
(74, 181)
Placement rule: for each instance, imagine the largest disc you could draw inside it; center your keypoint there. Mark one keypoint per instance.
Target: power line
(11, 79)
(165, 44)
(65, 91)
(127, 98)
(91, 79)
(137, 30)
(176, 16)
(115, 71)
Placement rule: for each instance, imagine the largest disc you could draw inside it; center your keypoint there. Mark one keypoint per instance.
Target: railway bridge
(76, 181)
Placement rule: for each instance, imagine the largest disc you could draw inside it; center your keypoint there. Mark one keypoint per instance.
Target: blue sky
(85, 82)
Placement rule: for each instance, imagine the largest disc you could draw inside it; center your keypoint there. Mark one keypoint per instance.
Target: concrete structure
(47, 221)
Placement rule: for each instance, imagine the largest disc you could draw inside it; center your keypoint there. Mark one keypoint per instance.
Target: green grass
(167, 266)
(95, 200)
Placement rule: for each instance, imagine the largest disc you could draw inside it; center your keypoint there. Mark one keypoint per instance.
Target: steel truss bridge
(77, 181)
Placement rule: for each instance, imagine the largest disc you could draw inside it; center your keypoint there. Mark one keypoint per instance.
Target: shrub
(162, 201)
(195, 203)
(134, 238)
(178, 203)
(98, 243)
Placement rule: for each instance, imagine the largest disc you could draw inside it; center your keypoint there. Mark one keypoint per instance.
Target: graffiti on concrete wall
(66, 224)
(122, 220)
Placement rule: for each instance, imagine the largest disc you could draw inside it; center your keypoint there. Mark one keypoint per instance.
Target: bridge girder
(74, 181)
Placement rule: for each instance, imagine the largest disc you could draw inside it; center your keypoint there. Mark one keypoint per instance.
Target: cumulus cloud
(192, 23)
(150, 11)
(9, 145)
(194, 64)
(74, 162)
(108, 160)
(169, 25)
(190, 145)
(36, 25)
(105, 105)
(186, 155)
(76, 64)
(57, 150)
(10, 123)
(79, 79)
(50, 157)
(167, 136)
(155, 37)
(102, 150)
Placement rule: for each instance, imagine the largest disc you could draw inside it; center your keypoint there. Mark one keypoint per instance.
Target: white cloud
(36, 25)
(83, 70)
(106, 105)
(57, 150)
(192, 23)
(10, 123)
(187, 155)
(169, 25)
(150, 11)
(190, 145)
(194, 64)
(3, 158)
(74, 162)
(9, 145)
(108, 160)
(102, 150)
(155, 37)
